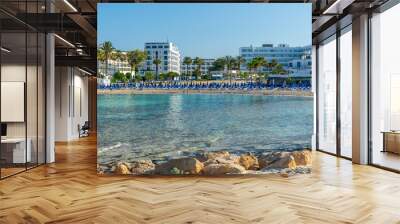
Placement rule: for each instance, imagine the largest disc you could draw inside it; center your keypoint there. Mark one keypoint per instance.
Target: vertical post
(360, 90)
(314, 80)
(338, 76)
(50, 92)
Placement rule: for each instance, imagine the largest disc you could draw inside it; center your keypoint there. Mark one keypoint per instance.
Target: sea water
(164, 126)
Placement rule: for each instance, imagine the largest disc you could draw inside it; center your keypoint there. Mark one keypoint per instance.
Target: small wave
(118, 145)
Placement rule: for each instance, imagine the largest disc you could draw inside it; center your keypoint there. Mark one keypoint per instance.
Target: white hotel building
(114, 66)
(208, 63)
(167, 52)
(294, 59)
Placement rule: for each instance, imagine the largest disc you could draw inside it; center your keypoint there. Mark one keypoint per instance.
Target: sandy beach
(274, 92)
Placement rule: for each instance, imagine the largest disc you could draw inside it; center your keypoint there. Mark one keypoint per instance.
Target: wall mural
(204, 89)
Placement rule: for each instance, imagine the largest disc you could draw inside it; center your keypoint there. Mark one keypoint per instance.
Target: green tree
(244, 75)
(272, 64)
(162, 76)
(101, 58)
(128, 76)
(259, 62)
(157, 62)
(278, 69)
(135, 58)
(198, 62)
(251, 66)
(117, 55)
(230, 63)
(218, 65)
(119, 77)
(187, 61)
(239, 61)
(107, 49)
(138, 78)
(148, 76)
(172, 75)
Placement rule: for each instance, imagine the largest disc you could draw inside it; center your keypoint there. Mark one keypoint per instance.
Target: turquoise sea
(160, 127)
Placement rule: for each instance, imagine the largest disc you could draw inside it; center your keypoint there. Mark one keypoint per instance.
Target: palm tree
(187, 61)
(239, 61)
(135, 58)
(102, 58)
(278, 69)
(273, 63)
(229, 62)
(259, 62)
(156, 62)
(250, 67)
(108, 49)
(117, 55)
(199, 62)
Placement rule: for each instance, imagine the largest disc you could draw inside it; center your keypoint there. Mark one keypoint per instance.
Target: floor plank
(70, 191)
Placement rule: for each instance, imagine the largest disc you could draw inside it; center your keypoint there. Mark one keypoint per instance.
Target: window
(346, 93)
(327, 95)
(385, 88)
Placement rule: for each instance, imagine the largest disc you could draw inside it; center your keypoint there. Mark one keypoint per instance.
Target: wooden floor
(386, 159)
(69, 191)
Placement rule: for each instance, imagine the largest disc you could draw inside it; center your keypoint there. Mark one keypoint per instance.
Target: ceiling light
(86, 72)
(5, 50)
(64, 40)
(70, 5)
(338, 6)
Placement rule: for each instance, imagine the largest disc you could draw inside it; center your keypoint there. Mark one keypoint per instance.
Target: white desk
(19, 155)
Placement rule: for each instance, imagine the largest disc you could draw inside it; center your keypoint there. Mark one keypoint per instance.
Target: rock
(302, 158)
(277, 160)
(219, 169)
(184, 165)
(284, 162)
(122, 168)
(232, 159)
(100, 169)
(142, 167)
(267, 159)
(249, 162)
(213, 155)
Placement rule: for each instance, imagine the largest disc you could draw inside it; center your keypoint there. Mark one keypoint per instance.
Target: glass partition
(13, 94)
(22, 94)
(327, 95)
(385, 89)
(346, 92)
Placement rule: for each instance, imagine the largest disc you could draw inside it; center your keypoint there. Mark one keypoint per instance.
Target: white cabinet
(17, 146)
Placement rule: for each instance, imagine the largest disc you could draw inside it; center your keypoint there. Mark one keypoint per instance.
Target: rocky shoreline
(217, 163)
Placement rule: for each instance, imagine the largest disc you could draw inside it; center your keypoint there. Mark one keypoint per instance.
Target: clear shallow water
(160, 127)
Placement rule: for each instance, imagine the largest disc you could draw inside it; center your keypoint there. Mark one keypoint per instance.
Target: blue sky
(204, 30)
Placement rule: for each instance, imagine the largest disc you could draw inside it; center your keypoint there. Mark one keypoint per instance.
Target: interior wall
(71, 102)
(14, 73)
